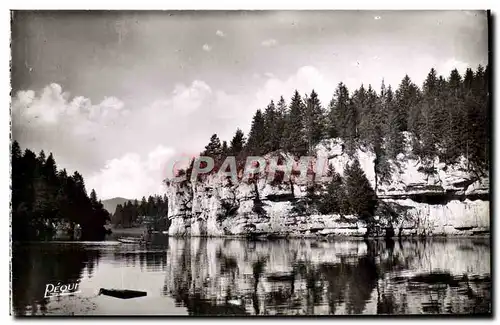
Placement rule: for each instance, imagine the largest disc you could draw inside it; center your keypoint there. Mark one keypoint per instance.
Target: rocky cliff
(447, 200)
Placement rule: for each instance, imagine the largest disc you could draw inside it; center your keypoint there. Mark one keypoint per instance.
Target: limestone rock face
(439, 199)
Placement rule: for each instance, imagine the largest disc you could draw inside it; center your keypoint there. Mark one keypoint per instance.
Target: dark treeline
(43, 196)
(128, 214)
(447, 118)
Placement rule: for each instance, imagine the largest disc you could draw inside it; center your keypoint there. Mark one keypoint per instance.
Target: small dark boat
(281, 277)
(122, 294)
(130, 240)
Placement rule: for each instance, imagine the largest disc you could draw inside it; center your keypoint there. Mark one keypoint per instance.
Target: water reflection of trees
(147, 260)
(35, 266)
(216, 276)
(295, 277)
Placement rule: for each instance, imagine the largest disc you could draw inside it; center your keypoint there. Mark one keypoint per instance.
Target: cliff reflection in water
(215, 276)
(301, 277)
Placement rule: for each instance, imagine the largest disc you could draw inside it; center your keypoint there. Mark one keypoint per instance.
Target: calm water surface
(199, 276)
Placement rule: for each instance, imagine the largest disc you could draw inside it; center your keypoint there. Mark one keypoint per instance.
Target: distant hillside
(111, 204)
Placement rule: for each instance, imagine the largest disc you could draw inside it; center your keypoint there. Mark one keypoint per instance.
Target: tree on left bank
(44, 197)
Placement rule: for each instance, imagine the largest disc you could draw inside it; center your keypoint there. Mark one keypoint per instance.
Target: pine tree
(151, 206)
(430, 111)
(407, 105)
(453, 134)
(370, 117)
(383, 101)
(394, 137)
(359, 102)
(237, 143)
(374, 128)
(213, 149)
(314, 121)
(63, 195)
(143, 207)
(43, 206)
(294, 138)
(282, 116)
(16, 152)
(127, 215)
(224, 149)
(333, 200)
(118, 217)
(441, 115)
(477, 102)
(93, 197)
(257, 137)
(362, 199)
(271, 119)
(41, 158)
(343, 118)
(50, 168)
(408, 110)
(28, 171)
(82, 200)
(341, 123)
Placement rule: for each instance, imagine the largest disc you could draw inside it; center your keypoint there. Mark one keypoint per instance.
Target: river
(215, 276)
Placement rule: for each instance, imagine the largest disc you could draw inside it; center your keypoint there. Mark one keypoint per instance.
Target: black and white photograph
(250, 163)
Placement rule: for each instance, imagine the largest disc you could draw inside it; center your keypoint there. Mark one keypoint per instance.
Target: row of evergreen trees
(446, 118)
(43, 195)
(127, 214)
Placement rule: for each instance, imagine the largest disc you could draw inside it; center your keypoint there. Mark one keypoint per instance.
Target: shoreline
(128, 231)
(276, 238)
(337, 237)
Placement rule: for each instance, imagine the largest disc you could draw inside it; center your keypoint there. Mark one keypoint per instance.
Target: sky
(116, 95)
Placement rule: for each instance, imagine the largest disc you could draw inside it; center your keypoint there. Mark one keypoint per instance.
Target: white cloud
(112, 103)
(377, 17)
(220, 33)
(44, 108)
(125, 176)
(207, 48)
(269, 42)
(79, 133)
(304, 80)
(52, 106)
(186, 100)
(131, 176)
(451, 64)
(158, 157)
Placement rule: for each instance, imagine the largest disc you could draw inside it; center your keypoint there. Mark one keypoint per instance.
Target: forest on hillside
(43, 197)
(130, 213)
(447, 118)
